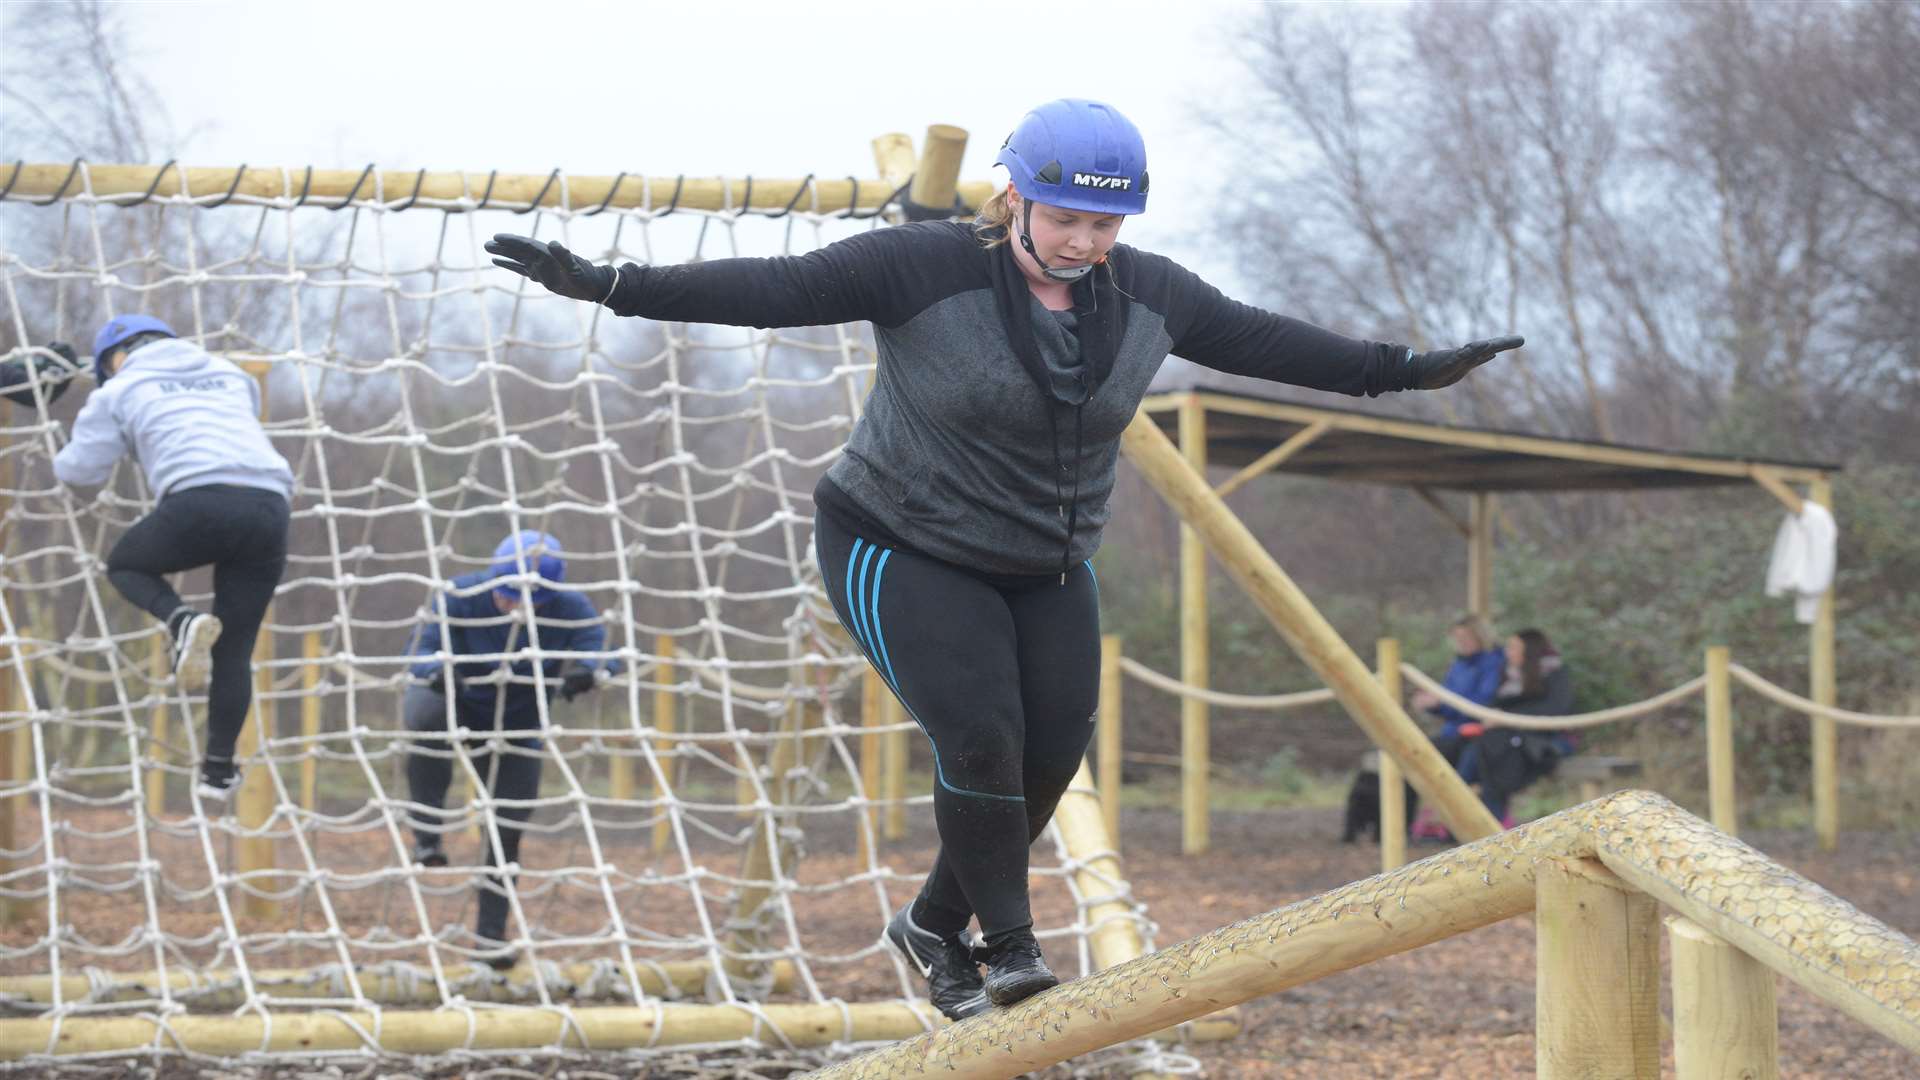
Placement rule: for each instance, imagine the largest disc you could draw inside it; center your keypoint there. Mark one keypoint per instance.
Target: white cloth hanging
(1803, 559)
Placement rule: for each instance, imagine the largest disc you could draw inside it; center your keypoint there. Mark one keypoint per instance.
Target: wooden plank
(446, 190)
(1273, 458)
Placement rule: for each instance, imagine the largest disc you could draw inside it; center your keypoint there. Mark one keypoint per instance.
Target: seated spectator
(1503, 761)
(1475, 674)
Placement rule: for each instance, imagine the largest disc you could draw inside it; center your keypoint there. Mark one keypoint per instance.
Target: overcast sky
(663, 88)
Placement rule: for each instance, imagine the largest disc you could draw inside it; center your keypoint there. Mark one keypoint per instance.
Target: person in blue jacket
(1479, 665)
(223, 499)
(476, 673)
(955, 534)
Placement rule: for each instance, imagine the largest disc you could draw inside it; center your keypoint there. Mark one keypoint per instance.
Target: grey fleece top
(978, 446)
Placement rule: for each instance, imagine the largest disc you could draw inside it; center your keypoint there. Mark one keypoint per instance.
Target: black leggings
(514, 773)
(1002, 674)
(242, 533)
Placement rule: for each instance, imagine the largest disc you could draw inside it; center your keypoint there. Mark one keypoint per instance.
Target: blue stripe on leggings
(886, 668)
(853, 609)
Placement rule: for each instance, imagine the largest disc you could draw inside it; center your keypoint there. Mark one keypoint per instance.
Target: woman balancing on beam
(956, 531)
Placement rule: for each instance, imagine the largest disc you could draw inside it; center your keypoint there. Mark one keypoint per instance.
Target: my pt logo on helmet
(1096, 180)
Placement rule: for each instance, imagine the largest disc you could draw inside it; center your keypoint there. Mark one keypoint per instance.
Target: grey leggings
(513, 773)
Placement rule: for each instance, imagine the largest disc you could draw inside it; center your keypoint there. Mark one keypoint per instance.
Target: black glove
(552, 265)
(57, 370)
(1444, 367)
(578, 679)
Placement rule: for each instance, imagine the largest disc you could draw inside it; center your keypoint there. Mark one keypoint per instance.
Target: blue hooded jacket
(565, 623)
(1476, 678)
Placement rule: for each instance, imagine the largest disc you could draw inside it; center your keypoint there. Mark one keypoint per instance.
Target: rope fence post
(1597, 988)
(1720, 788)
(1726, 1020)
(1822, 689)
(1393, 786)
(1195, 742)
(1108, 734)
(664, 707)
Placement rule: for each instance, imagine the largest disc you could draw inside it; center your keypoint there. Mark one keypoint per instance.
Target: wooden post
(156, 778)
(1720, 788)
(873, 690)
(1195, 743)
(665, 706)
(937, 179)
(1393, 786)
(1597, 996)
(1304, 629)
(310, 720)
(1108, 735)
(254, 804)
(1726, 1022)
(620, 753)
(10, 774)
(894, 775)
(1826, 731)
(1480, 523)
(768, 853)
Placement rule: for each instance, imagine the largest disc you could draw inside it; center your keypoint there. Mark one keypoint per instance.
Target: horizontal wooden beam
(453, 190)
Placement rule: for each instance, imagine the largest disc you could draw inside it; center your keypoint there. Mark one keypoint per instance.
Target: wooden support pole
(1720, 787)
(893, 775)
(1196, 753)
(155, 780)
(1304, 629)
(1480, 522)
(665, 721)
(1108, 735)
(1393, 786)
(873, 690)
(310, 720)
(443, 190)
(254, 804)
(1726, 1022)
(770, 854)
(11, 701)
(620, 786)
(1596, 1003)
(1275, 457)
(937, 180)
(1826, 730)
(893, 155)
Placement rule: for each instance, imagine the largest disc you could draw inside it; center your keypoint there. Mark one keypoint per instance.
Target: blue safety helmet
(117, 331)
(538, 557)
(1079, 154)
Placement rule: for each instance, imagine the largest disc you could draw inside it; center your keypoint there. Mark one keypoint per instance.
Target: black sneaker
(427, 851)
(497, 954)
(194, 633)
(1015, 970)
(953, 978)
(219, 779)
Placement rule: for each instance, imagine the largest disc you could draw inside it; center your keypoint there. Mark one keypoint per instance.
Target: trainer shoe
(953, 978)
(1015, 969)
(219, 779)
(428, 851)
(193, 636)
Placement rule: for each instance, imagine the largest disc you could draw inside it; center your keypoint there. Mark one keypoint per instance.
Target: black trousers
(511, 770)
(242, 533)
(1002, 674)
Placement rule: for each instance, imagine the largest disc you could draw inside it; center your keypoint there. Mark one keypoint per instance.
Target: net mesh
(704, 832)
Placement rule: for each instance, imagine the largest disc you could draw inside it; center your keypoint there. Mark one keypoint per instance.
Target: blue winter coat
(1476, 678)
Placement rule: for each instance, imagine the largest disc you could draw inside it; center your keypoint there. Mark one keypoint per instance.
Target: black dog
(1363, 807)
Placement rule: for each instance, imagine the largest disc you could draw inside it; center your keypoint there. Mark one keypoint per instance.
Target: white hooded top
(190, 418)
(1803, 559)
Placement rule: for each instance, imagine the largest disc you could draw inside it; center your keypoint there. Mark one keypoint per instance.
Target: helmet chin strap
(1065, 273)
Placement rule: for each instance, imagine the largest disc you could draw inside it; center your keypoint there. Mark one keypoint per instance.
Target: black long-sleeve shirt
(969, 447)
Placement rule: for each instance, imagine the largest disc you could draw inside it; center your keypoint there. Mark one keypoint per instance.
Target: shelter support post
(1195, 743)
(1303, 628)
(1480, 523)
(1826, 730)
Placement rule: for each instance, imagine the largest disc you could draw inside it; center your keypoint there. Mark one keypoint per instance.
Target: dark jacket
(1510, 758)
(476, 627)
(969, 449)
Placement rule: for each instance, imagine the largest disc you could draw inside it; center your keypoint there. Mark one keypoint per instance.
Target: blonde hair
(994, 223)
(1479, 627)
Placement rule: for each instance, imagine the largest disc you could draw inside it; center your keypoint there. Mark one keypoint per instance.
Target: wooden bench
(1597, 774)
